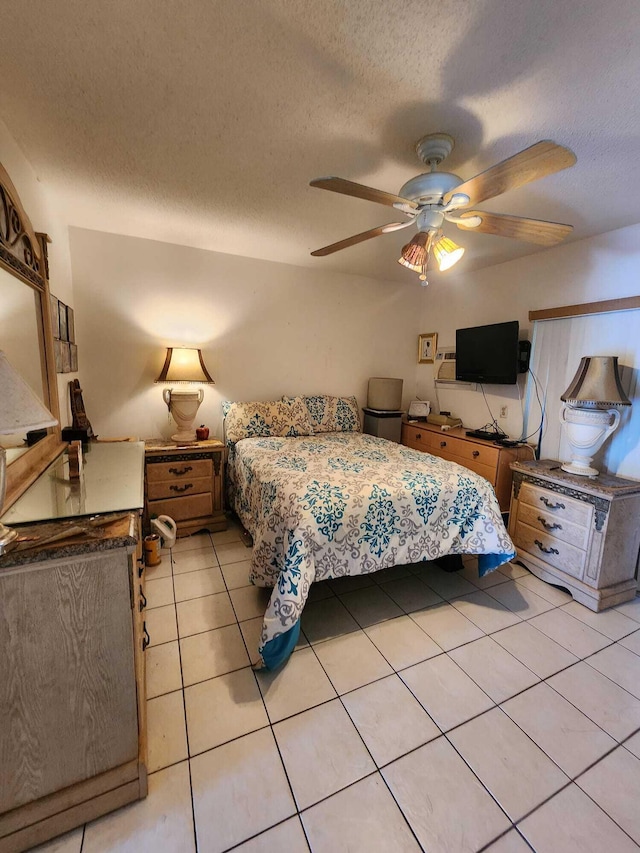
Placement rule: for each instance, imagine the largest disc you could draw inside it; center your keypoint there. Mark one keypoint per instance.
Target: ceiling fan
(431, 198)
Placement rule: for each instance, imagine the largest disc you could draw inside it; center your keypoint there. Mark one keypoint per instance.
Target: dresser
(186, 483)
(581, 533)
(484, 457)
(72, 635)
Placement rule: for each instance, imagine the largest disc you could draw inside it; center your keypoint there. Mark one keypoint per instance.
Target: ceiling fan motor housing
(430, 187)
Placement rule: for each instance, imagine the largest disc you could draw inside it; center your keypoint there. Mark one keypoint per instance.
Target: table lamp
(20, 410)
(184, 365)
(590, 411)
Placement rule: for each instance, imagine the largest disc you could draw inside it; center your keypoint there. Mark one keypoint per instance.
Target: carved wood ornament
(19, 247)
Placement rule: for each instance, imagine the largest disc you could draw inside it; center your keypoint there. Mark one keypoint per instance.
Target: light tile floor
(420, 711)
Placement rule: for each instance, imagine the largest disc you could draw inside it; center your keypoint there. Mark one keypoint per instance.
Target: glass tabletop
(112, 479)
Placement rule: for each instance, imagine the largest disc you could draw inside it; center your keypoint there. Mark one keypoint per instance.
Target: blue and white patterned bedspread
(344, 504)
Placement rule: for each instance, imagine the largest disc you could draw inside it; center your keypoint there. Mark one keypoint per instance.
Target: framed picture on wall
(71, 328)
(73, 358)
(427, 344)
(55, 319)
(66, 357)
(58, 347)
(62, 317)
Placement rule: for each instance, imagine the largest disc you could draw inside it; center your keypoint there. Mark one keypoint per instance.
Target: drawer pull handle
(548, 526)
(146, 639)
(184, 488)
(180, 472)
(143, 601)
(418, 435)
(140, 566)
(443, 444)
(475, 454)
(549, 505)
(545, 550)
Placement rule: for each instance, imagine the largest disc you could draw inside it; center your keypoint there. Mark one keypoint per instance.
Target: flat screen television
(488, 354)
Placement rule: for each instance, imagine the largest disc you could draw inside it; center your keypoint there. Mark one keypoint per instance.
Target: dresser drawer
(554, 525)
(415, 437)
(467, 450)
(185, 508)
(181, 486)
(561, 555)
(485, 471)
(190, 469)
(556, 505)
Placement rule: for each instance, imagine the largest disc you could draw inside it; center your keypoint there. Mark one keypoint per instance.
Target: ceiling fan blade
(340, 185)
(360, 238)
(531, 230)
(543, 158)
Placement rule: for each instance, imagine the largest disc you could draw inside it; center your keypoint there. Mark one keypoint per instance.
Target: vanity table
(72, 638)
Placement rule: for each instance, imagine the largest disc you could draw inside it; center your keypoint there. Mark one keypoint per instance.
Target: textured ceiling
(202, 121)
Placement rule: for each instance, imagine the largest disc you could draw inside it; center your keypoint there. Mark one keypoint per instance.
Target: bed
(321, 500)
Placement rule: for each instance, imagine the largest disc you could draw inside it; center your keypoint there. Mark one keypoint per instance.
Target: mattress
(338, 504)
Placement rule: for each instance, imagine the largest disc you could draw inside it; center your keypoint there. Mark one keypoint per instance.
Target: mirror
(20, 339)
(25, 333)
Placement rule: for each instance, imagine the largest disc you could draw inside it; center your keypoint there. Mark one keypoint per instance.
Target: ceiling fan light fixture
(447, 253)
(416, 251)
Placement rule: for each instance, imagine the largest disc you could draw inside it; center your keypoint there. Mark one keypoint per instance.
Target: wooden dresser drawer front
(486, 471)
(415, 437)
(468, 450)
(567, 558)
(179, 487)
(183, 509)
(189, 469)
(556, 505)
(553, 525)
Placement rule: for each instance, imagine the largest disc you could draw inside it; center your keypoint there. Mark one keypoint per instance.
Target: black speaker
(524, 352)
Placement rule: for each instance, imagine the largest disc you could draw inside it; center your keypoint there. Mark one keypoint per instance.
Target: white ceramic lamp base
(586, 431)
(183, 406)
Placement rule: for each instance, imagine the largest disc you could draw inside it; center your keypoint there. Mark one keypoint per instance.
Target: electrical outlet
(504, 411)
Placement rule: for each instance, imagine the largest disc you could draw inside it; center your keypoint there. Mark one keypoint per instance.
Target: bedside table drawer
(561, 555)
(179, 470)
(556, 505)
(555, 526)
(182, 486)
(183, 509)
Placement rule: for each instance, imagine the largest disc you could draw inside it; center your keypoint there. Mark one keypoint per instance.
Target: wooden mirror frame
(23, 254)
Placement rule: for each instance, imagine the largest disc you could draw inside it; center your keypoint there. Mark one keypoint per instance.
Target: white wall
(602, 267)
(266, 329)
(41, 209)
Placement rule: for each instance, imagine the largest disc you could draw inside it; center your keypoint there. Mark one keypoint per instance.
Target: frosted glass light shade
(447, 253)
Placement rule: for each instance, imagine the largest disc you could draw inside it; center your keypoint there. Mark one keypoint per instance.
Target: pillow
(333, 414)
(288, 417)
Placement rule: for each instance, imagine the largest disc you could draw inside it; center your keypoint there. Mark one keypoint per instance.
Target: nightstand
(186, 483)
(581, 533)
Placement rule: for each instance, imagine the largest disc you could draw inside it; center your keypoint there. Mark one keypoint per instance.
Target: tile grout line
(375, 763)
(269, 726)
(397, 672)
(184, 711)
